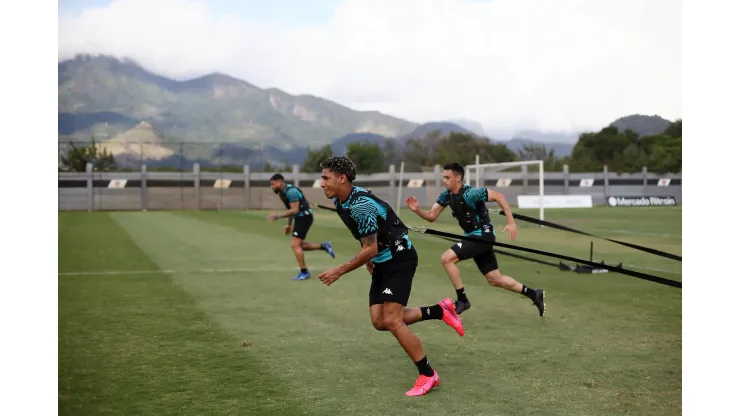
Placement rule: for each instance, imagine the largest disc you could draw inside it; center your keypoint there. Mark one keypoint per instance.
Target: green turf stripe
(138, 344)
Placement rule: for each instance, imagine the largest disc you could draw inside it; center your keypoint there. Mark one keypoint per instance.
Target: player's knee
(495, 278)
(379, 325)
(296, 243)
(448, 259)
(392, 323)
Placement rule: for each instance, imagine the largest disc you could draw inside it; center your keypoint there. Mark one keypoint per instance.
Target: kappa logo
(459, 245)
(387, 291)
(400, 248)
(295, 233)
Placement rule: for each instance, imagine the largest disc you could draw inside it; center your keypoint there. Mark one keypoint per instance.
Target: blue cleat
(328, 249)
(302, 276)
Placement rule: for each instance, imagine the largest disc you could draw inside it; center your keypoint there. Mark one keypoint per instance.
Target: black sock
(304, 270)
(528, 292)
(424, 367)
(431, 312)
(461, 296)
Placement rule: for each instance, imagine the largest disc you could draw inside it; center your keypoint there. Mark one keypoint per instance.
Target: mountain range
(138, 114)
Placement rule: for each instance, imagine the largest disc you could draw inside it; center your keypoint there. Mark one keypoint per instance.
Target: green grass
(200, 317)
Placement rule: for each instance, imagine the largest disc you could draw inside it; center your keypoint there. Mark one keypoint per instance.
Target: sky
(511, 65)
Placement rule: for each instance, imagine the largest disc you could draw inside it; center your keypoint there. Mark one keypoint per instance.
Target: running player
(300, 212)
(389, 256)
(468, 206)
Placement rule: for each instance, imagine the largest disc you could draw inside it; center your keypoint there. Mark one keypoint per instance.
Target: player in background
(468, 206)
(391, 259)
(298, 211)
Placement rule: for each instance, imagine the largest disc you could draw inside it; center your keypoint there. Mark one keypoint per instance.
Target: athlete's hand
(287, 229)
(272, 217)
(511, 228)
(412, 203)
(370, 266)
(329, 276)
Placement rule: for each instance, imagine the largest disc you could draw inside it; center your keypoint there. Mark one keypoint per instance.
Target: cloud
(526, 64)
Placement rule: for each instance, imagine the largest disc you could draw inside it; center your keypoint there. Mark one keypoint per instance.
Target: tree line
(621, 151)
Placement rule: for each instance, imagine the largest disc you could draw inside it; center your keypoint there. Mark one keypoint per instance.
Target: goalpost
(497, 167)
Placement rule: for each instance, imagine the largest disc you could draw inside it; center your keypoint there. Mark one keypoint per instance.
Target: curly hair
(341, 165)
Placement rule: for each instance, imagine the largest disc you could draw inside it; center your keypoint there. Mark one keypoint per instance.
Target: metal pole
(247, 192)
(89, 171)
(542, 191)
(400, 191)
(144, 189)
(477, 171)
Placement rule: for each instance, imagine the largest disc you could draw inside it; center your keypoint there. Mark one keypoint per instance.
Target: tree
(77, 158)
(315, 157)
(551, 163)
(368, 157)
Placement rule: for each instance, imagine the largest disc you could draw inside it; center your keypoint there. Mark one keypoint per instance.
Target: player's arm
(368, 250)
(499, 198)
(289, 213)
(431, 214)
(365, 214)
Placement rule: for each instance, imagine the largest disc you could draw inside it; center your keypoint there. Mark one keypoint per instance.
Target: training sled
(586, 268)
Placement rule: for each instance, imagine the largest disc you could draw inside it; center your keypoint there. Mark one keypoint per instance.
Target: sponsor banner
(641, 201)
(222, 183)
(555, 201)
(586, 183)
(117, 183)
(415, 183)
(503, 182)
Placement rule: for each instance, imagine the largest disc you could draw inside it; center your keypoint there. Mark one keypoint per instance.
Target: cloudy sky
(550, 65)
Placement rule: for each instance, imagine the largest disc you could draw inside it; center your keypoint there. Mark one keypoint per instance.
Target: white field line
(199, 271)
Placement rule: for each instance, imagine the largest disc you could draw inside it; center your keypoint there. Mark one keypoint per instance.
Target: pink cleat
(424, 384)
(451, 317)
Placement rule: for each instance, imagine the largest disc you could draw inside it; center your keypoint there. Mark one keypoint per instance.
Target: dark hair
(277, 177)
(455, 167)
(341, 165)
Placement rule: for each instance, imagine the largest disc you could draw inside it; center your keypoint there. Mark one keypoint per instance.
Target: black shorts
(301, 225)
(481, 253)
(392, 279)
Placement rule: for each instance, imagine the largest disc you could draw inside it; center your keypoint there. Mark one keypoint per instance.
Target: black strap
(454, 237)
(639, 275)
(564, 228)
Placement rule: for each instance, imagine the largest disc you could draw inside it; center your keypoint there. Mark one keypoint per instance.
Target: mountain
(104, 96)
(641, 124)
(443, 127)
(560, 149)
(546, 136)
(339, 146)
(470, 125)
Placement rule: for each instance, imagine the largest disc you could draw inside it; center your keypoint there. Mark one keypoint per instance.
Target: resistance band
(455, 237)
(564, 228)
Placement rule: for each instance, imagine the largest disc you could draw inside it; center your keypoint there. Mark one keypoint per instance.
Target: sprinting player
(391, 259)
(300, 212)
(468, 206)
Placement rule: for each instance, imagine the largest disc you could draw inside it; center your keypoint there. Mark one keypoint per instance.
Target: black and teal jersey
(364, 214)
(469, 208)
(293, 194)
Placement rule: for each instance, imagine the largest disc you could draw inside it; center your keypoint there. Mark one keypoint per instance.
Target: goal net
(501, 175)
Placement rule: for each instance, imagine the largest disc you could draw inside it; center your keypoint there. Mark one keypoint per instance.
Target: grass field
(195, 313)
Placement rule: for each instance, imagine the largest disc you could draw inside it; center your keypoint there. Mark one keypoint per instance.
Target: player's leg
(443, 311)
(488, 265)
(392, 281)
(301, 230)
(410, 342)
(462, 250)
(296, 244)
